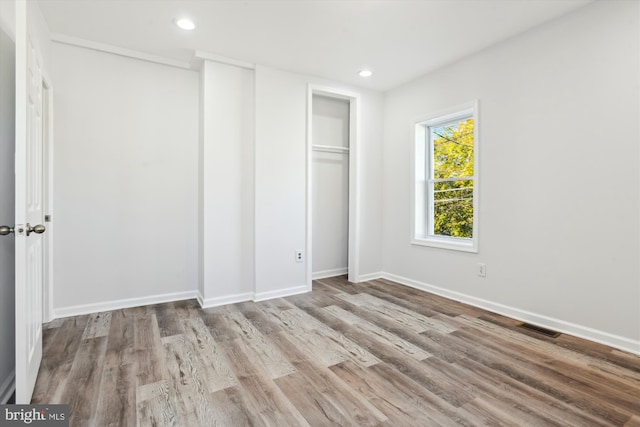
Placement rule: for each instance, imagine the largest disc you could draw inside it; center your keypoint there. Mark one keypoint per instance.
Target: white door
(29, 209)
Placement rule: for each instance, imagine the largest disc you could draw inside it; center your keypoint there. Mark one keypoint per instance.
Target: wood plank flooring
(371, 354)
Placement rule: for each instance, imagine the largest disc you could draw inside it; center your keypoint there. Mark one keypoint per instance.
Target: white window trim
(419, 204)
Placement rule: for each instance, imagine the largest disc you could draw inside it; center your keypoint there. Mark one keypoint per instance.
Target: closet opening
(331, 184)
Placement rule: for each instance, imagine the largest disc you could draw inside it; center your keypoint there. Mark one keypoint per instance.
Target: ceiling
(399, 40)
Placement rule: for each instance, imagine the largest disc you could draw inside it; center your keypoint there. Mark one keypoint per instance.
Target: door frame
(354, 184)
(47, 173)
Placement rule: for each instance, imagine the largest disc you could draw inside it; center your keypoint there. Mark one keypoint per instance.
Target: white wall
(135, 221)
(330, 121)
(7, 199)
(8, 17)
(330, 187)
(126, 179)
(559, 183)
(280, 180)
(370, 162)
(280, 176)
(226, 182)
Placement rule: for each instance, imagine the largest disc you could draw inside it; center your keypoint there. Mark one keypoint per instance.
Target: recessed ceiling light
(185, 24)
(365, 73)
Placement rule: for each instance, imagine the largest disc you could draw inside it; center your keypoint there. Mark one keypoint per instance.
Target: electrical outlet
(299, 256)
(482, 269)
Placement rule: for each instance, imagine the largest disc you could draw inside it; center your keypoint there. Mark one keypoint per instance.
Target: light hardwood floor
(372, 354)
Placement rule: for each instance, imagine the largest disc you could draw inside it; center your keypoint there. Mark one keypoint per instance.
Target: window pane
(453, 208)
(453, 149)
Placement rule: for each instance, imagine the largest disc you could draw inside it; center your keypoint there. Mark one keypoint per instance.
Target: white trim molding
(7, 388)
(370, 276)
(48, 133)
(200, 56)
(616, 341)
(176, 296)
(329, 273)
(229, 299)
(123, 303)
(128, 53)
(280, 293)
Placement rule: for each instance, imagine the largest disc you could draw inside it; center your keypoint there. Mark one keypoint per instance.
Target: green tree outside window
(453, 146)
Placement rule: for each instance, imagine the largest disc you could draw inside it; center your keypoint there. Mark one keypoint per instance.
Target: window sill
(445, 243)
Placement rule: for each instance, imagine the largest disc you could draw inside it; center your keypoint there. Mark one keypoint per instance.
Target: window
(446, 184)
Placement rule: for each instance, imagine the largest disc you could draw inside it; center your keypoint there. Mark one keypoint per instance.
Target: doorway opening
(332, 190)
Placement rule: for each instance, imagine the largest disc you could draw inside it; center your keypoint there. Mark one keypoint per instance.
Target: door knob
(5, 229)
(38, 229)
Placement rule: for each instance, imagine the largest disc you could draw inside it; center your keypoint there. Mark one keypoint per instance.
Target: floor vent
(540, 330)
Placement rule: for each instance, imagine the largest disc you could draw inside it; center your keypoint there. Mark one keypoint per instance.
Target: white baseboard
(177, 296)
(7, 388)
(371, 276)
(616, 341)
(580, 331)
(251, 296)
(123, 303)
(329, 273)
(280, 293)
(229, 299)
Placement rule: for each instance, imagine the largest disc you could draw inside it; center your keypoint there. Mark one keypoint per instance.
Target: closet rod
(330, 149)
